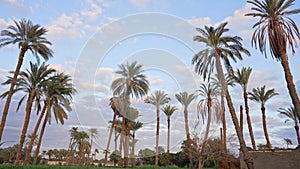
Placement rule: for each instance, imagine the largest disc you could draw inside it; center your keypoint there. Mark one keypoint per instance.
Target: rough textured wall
(275, 159)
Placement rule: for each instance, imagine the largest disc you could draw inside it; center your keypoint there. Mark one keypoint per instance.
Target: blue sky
(92, 37)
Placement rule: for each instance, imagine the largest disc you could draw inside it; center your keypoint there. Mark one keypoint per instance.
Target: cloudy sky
(92, 37)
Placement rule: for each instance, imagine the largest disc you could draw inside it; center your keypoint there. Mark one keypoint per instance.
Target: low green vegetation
(72, 167)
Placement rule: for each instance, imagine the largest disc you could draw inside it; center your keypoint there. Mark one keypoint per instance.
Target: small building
(274, 159)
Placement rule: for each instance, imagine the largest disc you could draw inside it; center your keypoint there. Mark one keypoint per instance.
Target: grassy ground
(72, 167)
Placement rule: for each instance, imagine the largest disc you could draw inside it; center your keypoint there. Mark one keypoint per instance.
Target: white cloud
(239, 20)
(15, 3)
(66, 27)
(140, 3)
(93, 10)
(199, 22)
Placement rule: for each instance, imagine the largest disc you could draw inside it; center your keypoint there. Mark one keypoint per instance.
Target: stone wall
(275, 159)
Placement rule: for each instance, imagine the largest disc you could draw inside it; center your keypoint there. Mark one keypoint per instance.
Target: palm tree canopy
(31, 81)
(185, 99)
(209, 93)
(261, 95)
(290, 113)
(132, 114)
(28, 37)
(118, 105)
(132, 81)
(229, 80)
(158, 98)
(227, 47)
(274, 26)
(59, 93)
(242, 76)
(136, 125)
(169, 110)
(93, 132)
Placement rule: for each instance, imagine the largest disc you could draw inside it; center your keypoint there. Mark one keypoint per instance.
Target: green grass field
(73, 167)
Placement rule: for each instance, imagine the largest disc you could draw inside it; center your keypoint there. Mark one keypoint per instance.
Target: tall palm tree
(157, 99)
(28, 37)
(93, 133)
(277, 29)
(30, 82)
(292, 115)
(220, 46)
(208, 105)
(169, 110)
(262, 95)
(132, 82)
(58, 96)
(132, 114)
(135, 125)
(230, 82)
(242, 77)
(117, 104)
(186, 99)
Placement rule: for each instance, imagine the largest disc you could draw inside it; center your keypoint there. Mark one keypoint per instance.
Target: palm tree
(157, 99)
(219, 46)
(135, 125)
(28, 37)
(230, 82)
(131, 83)
(292, 115)
(276, 28)
(116, 104)
(208, 105)
(30, 82)
(169, 110)
(288, 142)
(242, 77)
(262, 96)
(93, 133)
(186, 99)
(58, 96)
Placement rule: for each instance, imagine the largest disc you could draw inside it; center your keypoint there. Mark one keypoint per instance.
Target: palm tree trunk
(37, 150)
(208, 124)
(132, 151)
(121, 140)
(25, 127)
(109, 138)
(157, 138)
(263, 111)
(297, 132)
(249, 120)
(116, 140)
(126, 150)
(34, 135)
(188, 138)
(241, 119)
(224, 122)
(290, 83)
(11, 89)
(247, 157)
(168, 144)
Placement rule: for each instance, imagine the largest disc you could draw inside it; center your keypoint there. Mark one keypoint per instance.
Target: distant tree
(261, 95)
(292, 115)
(169, 110)
(241, 76)
(157, 99)
(185, 99)
(288, 142)
(114, 156)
